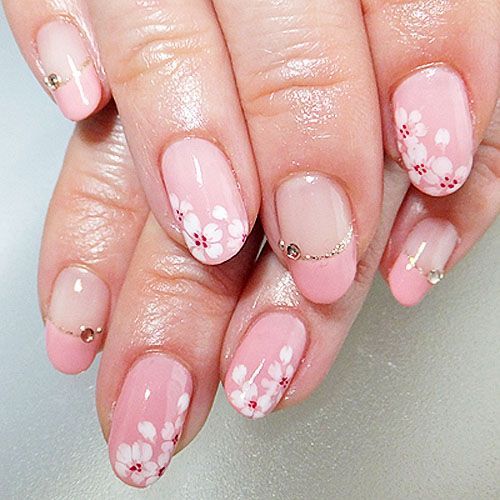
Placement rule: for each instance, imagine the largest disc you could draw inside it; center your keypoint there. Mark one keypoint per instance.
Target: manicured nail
(148, 419)
(434, 130)
(265, 363)
(76, 319)
(421, 263)
(205, 200)
(69, 69)
(317, 236)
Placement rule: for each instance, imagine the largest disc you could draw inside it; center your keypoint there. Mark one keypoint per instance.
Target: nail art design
(434, 130)
(422, 260)
(317, 236)
(205, 200)
(136, 462)
(69, 70)
(149, 418)
(265, 363)
(76, 318)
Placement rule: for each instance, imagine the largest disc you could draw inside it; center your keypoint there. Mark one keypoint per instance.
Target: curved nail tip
(430, 191)
(79, 100)
(408, 294)
(67, 353)
(327, 281)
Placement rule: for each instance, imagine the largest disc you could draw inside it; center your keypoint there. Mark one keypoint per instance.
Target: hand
(306, 75)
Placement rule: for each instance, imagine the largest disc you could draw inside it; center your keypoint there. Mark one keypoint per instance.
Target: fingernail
(76, 319)
(421, 263)
(69, 69)
(434, 130)
(205, 200)
(265, 363)
(317, 236)
(148, 419)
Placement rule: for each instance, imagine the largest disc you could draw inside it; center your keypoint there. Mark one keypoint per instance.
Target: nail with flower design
(149, 418)
(265, 363)
(433, 128)
(205, 200)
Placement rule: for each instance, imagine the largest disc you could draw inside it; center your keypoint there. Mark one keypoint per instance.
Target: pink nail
(434, 130)
(265, 363)
(77, 316)
(69, 69)
(317, 236)
(148, 419)
(421, 263)
(205, 200)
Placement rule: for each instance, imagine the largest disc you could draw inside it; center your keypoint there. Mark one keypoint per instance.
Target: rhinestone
(87, 335)
(53, 81)
(435, 276)
(293, 251)
(282, 245)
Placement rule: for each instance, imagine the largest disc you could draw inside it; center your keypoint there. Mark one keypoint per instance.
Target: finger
(431, 235)
(57, 41)
(279, 345)
(438, 70)
(307, 87)
(159, 369)
(94, 220)
(173, 85)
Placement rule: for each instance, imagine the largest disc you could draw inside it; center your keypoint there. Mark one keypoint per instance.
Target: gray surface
(410, 410)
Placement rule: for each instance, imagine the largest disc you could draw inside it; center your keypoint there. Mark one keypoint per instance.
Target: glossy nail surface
(421, 263)
(317, 236)
(205, 199)
(265, 363)
(434, 129)
(69, 69)
(149, 418)
(77, 315)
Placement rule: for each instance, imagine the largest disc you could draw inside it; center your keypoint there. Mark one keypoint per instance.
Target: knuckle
(156, 46)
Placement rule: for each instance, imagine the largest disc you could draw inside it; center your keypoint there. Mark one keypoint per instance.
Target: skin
(99, 210)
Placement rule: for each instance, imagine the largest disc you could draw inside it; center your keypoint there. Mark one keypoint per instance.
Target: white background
(410, 410)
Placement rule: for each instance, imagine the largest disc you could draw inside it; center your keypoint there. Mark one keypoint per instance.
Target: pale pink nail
(69, 69)
(265, 363)
(434, 130)
(422, 260)
(148, 419)
(76, 319)
(205, 199)
(317, 236)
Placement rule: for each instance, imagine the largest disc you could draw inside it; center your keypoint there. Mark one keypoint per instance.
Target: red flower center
(161, 471)
(252, 404)
(421, 169)
(200, 240)
(284, 381)
(136, 467)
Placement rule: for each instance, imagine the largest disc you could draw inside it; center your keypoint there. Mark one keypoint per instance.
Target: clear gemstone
(293, 251)
(87, 335)
(53, 81)
(435, 276)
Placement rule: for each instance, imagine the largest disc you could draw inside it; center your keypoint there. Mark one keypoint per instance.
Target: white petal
(420, 130)
(275, 371)
(150, 468)
(286, 354)
(269, 385)
(238, 399)
(167, 447)
(239, 374)
(415, 178)
(265, 403)
(151, 480)
(198, 253)
(248, 412)
(174, 201)
(192, 223)
(236, 228)
(212, 232)
(401, 116)
(461, 173)
(215, 250)
(183, 403)
(442, 166)
(137, 477)
(185, 207)
(124, 453)
(141, 452)
(121, 469)
(164, 459)
(249, 390)
(442, 137)
(431, 178)
(289, 371)
(417, 153)
(147, 430)
(168, 431)
(219, 212)
(415, 116)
